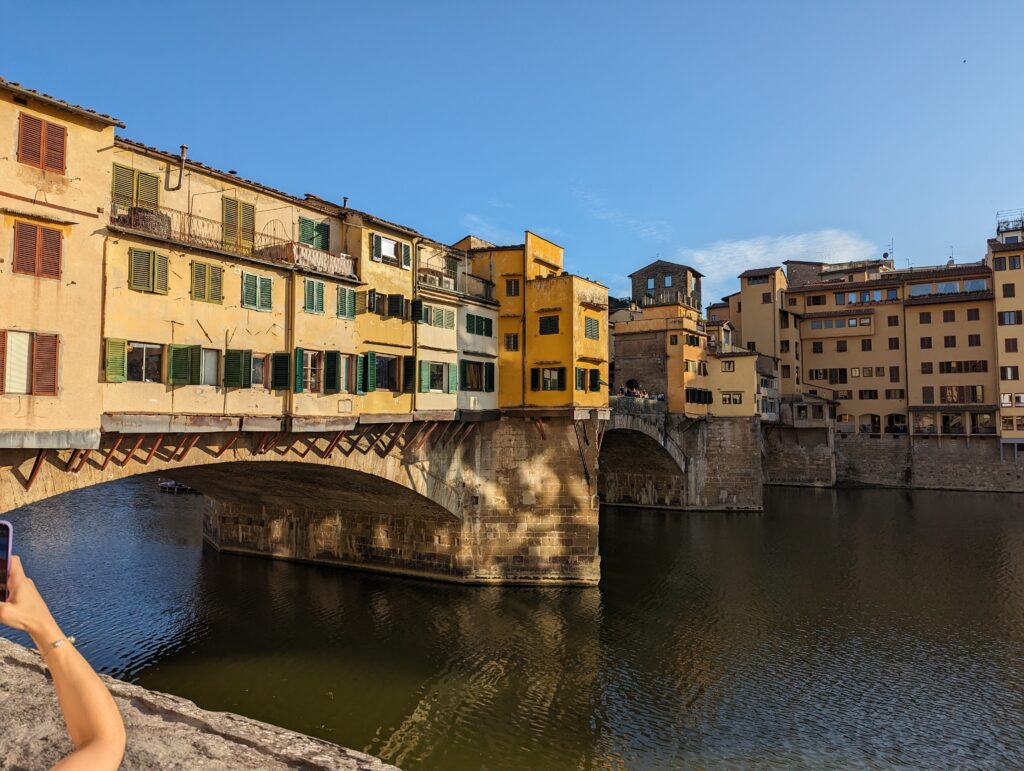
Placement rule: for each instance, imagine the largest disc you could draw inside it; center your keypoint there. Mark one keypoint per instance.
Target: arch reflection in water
(849, 628)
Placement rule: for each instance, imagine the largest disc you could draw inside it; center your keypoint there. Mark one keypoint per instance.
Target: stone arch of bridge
(638, 451)
(387, 464)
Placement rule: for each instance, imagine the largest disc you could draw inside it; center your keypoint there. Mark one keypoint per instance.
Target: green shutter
(332, 372)
(123, 193)
(319, 296)
(463, 366)
(580, 382)
(453, 378)
(360, 373)
(115, 360)
(408, 374)
(351, 312)
(488, 327)
(470, 323)
(229, 221)
(341, 303)
(140, 270)
(198, 280)
(371, 372)
(280, 370)
(309, 295)
(250, 291)
(160, 274)
(307, 231)
(233, 360)
(561, 378)
(489, 376)
(406, 257)
(299, 370)
(195, 364)
(147, 191)
(375, 247)
(424, 376)
(246, 223)
(266, 301)
(438, 320)
(178, 363)
(449, 319)
(246, 369)
(322, 236)
(416, 313)
(215, 293)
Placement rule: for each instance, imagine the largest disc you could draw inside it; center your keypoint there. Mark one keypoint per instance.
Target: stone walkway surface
(164, 732)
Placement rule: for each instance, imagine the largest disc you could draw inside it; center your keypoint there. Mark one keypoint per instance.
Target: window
(395, 306)
(840, 298)
(313, 296)
(698, 396)
(751, 346)
(134, 189)
(346, 303)
(210, 373)
(757, 280)
(511, 341)
(879, 371)
(785, 371)
(1009, 290)
(694, 340)
(650, 282)
(385, 372)
(312, 372)
(926, 368)
(949, 341)
(791, 301)
(479, 376)
(1018, 400)
(437, 376)
(1010, 345)
(147, 271)
(894, 374)
(549, 326)
(867, 393)
(1009, 373)
(732, 397)
(784, 346)
(1014, 258)
(258, 371)
(28, 363)
(925, 317)
(207, 282)
(482, 325)
(37, 250)
(920, 290)
(895, 393)
(817, 347)
(1006, 400)
(390, 251)
(894, 343)
(728, 366)
(257, 292)
(973, 314)
(512, 287)
(766, 297)
(840, 346)
(239, 223)
(928, 394)
(592, 328)
(42, 144)
(973, 341)
(666, 282)
(816, 299)
(891, 294)
(865, 344)
(998, 263)
(315, 234)
(144, 361)
(855, 372)
(1010, 318)
(547, 379)
(948, 316)
(926, 342)
(865, 321)
(894, 321)
(972, 394)
(673, 339)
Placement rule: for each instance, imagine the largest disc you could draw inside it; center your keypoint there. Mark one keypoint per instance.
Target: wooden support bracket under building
(36, 467)
(394, 439)
(447, 433)
(412, 437)
(186, 448)
(291, 444)
(259, 446)
(457, 433)
(333, 444)
(72, 459)
(467, 432)
(228, 444)
(153, 450)
(539, 425)
(426, 435)
(82, 459)
(309, 447)
(583, 453)
(111, 451)
(131, 453)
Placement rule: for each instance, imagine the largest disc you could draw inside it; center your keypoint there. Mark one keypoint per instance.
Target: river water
(850, 628)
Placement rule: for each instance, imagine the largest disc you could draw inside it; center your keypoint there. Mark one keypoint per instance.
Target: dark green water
(858, 628)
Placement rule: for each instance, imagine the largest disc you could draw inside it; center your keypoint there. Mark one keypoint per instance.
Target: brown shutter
(26, 239)
(56, 137)
(30, 140)
(44, 364)
(49, 252)
(3, 357)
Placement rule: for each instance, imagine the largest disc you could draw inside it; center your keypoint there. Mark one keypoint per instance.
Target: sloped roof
(666, 264)
(31, 93)
(759, 272)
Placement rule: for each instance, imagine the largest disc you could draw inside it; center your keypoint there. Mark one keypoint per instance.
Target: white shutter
(18, 371)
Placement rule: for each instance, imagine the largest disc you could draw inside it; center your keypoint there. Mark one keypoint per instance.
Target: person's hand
(25, 608)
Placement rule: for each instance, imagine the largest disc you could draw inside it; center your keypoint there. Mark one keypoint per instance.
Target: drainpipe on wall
(181, 168)
(289, 341)
(522, 329)
(416, 327)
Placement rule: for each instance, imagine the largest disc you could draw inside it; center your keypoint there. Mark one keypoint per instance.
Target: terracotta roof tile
(31, 93)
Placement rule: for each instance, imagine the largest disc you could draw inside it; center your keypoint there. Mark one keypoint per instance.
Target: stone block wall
(798, 456)
(724, 461)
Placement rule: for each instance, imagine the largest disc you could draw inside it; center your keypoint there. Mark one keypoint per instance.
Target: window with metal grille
(42, 144)
(37, 250)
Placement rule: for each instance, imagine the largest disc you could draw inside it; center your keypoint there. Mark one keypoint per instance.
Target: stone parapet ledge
(164, 732)
(635, 406)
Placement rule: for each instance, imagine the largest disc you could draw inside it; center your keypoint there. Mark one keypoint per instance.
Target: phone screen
(5, 556)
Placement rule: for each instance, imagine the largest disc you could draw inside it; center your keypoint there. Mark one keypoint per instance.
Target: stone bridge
(512, 499)
(654, 458)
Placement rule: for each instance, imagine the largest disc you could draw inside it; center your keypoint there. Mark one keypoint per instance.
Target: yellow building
(1004, 256)
(550, 325)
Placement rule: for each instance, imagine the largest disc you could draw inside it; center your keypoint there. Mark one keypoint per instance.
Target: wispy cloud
(488, 229)
(722, 261)
(599, 208)
(496, 203)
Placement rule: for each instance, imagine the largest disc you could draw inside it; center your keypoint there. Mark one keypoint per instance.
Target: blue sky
(726, 135)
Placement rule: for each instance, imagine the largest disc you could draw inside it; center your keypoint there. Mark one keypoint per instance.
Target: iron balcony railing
(1011, 219)
(668, 297)
(460, 281)
(205, 233)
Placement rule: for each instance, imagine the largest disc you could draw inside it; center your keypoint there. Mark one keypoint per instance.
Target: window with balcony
(37, 250)
(29, 363)
(42, 144)
(134, 189)
(315, 234)
(238, 220)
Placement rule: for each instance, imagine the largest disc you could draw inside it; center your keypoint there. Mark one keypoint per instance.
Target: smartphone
(6, 541)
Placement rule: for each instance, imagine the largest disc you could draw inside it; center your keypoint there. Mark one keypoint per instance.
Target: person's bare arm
(93, 721)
